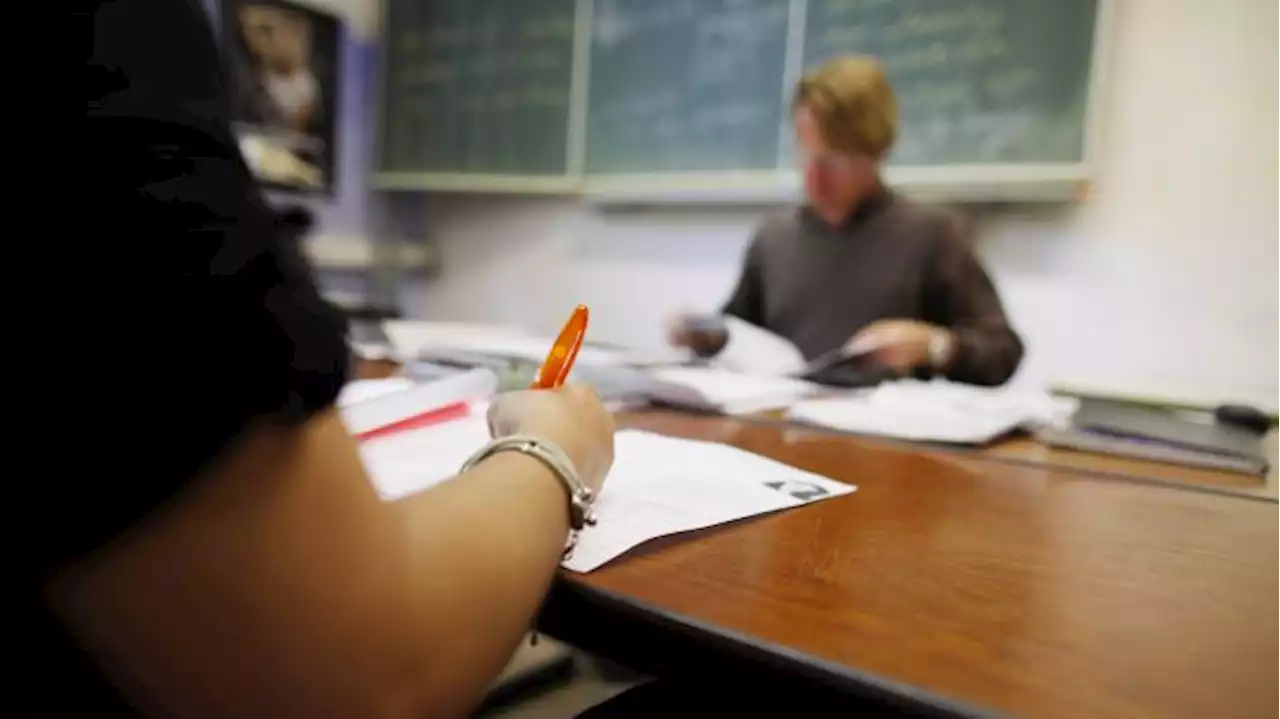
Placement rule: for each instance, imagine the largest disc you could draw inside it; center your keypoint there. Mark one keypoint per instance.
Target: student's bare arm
(278, 584)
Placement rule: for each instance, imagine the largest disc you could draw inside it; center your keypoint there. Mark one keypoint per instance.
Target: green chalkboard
(491, 89)
(981, 81)
(685, 85)
(476, 86)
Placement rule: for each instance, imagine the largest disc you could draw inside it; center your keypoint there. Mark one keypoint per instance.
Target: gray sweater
(817, 285)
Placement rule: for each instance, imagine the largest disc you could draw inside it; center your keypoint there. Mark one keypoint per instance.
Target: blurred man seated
(858, 265)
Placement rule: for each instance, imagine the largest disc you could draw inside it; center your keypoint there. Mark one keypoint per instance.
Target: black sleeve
(747, 301)
(205, 319)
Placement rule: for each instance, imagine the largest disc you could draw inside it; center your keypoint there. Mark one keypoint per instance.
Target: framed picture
(283, 60)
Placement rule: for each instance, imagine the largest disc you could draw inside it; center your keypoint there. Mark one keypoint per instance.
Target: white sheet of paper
(658, 485)
(664, 485)
(936, 411)
(757, 351)
(736, 392)
(411, 338)
(386, 408)
(409, 462)
(375, 351)
(363, 389)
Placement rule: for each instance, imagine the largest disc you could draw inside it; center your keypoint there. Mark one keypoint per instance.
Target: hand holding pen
(570, 416)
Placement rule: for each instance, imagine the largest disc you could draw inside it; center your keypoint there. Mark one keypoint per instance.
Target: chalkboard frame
(1032, 182)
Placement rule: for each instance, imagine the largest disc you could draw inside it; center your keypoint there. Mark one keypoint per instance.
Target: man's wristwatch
(940, 346)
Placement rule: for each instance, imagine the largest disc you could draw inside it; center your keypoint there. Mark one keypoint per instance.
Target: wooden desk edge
(560, 618)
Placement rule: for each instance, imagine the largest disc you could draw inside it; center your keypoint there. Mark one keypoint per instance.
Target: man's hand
(904, 345)
(704, 336)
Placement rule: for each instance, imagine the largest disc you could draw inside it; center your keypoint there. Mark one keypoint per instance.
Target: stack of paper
(377, 404)
(658, 485)
(732, 392)
(434, 340)
(408, 462)
(936, 411)
(410, 337)
(375, 351)
(754, 350)
(364, 389)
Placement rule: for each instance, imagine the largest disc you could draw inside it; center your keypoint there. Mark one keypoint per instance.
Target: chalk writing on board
(679, 85)
(447, 36)
(545, 96)
(917, 59)
(846, 38)
(728, 116)
(551, 28)
(407, 42)
(537, 60)
(614, 24)
(643, 105)
(948, 56)
(838, 8)
(943, 22)
(939, 96)
(728, 44)
(1010, 83)
(977, 81)
(438, 72)
(749, 22)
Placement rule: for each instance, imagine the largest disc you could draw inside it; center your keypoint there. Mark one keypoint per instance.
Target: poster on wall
(283, 60)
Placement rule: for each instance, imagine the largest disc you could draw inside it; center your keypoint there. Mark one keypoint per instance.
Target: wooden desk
(1009, 588)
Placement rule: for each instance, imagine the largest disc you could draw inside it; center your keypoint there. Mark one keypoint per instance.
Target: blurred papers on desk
(658, 485)
(936, 411)
(375, 351)
(730, 392)
(377, 405)
(415, 340)
(364, 389)
(754, 350)
(410, 337)
(448, 340)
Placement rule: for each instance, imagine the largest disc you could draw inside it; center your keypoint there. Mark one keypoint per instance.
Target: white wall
(1164, 283)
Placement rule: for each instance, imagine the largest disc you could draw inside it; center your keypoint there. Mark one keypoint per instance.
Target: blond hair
(853, 104)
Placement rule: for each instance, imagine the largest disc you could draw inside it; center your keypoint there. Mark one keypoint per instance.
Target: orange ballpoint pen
(560, 359)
